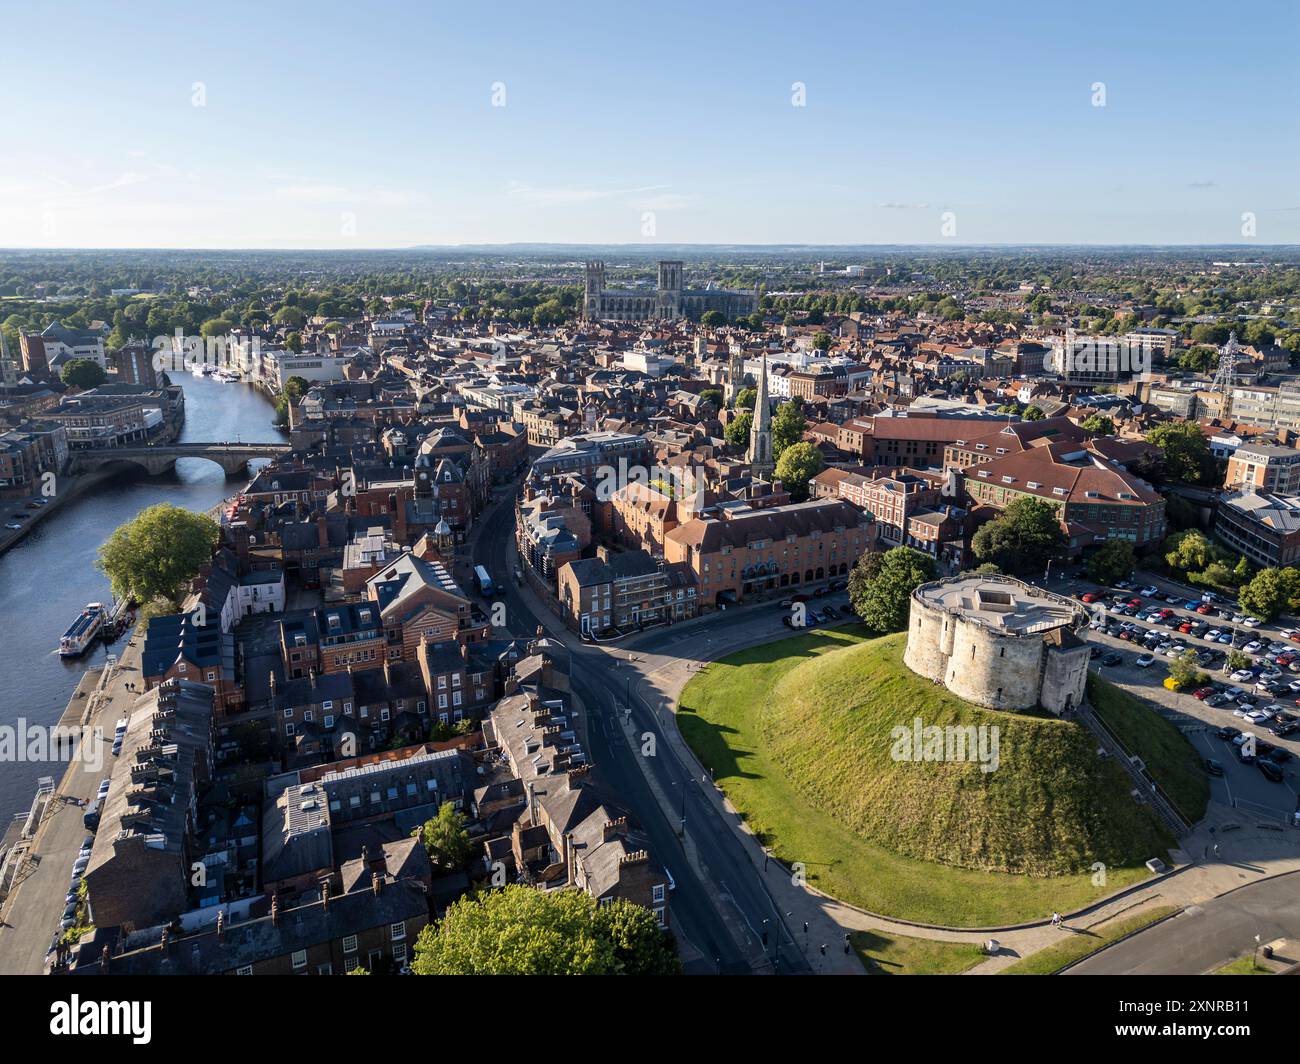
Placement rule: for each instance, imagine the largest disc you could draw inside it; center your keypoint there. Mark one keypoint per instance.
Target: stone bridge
(232, 457)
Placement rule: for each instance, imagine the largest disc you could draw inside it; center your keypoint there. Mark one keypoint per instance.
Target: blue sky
(372, 125)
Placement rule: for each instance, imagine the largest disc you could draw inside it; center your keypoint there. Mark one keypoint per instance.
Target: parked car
(1111, 660)
(1269, 769)
(1145, 661)
(1201, 692)
(1213, 767)
(1149, 591)
(1228, 734)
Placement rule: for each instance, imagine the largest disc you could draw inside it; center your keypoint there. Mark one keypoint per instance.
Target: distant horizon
(703, 245)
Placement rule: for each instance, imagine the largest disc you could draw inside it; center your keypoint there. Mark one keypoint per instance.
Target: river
(49, 576)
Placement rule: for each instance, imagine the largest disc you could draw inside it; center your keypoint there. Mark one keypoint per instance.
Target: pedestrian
(1056, 919)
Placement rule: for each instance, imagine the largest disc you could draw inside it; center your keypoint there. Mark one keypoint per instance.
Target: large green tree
(1099, 424)
(82, 373)
(1189, 551)
(884, 602)
(1186, 453)
(797, 465)
(787, 427)
(1270, 592)
(157, 553)
(737, 431)
(1022, 539)
(520, 930)
(1112, 561)
(445, 838)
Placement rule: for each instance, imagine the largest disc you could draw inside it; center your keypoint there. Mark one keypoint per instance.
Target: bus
(483, 582)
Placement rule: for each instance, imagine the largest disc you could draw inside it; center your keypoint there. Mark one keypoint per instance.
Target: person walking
(1056, 919)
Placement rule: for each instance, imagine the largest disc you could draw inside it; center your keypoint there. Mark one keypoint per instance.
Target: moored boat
(82, 631)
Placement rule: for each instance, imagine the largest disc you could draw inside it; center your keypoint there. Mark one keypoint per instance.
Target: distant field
(798, 733)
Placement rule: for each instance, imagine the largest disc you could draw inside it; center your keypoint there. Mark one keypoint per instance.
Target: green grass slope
(797, 733)
(1050, 807)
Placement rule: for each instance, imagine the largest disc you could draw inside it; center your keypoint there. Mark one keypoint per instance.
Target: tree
(1112, 561)
(519, 930)
(1186, 454)
(787, 427)
(822, 341)
(884, 604)
(713, 397)
(82, 373)
(216, 327)
(745, 398)
(1183, 672)
(293, 342)
(157, 553)
(1033, 413)
(798, 464)
(1022, 539)
(1237, 660)
(445, 838)
(1269, 593)
(737, 431)
(863, 574)
(1188, 551)
(713, 318)
(1099, 424)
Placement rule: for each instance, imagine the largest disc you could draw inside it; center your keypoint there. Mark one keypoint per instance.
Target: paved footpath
(32, 911)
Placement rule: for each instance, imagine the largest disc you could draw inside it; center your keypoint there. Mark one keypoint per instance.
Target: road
(1206, 937)
(725, 919)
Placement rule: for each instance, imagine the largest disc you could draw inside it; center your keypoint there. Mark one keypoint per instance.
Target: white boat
(82, 631)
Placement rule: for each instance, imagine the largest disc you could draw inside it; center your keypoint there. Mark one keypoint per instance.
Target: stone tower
(760, 432)
(735, 373)
(670, 290)
(593, 287)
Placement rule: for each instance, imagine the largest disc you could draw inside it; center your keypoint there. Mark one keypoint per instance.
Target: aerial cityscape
(615, 518)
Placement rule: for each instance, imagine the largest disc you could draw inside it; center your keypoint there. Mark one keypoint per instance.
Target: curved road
(1205, 937)
(731, 940)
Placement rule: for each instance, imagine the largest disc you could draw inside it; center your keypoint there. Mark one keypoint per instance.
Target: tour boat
(82, 631)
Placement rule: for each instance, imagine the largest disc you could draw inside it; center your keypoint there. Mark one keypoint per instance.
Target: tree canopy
(157, 553)
(1186, 453)
(445, 838)
(787, 427)
(82, 373)
(798, 464)
(737, 431)
(1022, 539)
(881, 586)
(520, 930)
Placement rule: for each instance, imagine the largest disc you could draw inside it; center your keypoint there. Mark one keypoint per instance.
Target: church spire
(760, 431)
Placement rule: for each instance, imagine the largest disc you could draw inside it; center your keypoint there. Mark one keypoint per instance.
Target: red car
(1135, 603)
(1203, 693)
(1295, 637)
(1089, 598)
(1186, 627)
(1204, 607)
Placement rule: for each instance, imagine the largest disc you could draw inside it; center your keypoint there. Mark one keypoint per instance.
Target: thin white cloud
(893, 205)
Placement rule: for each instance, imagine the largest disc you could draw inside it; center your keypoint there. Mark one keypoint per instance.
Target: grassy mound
(796, 786)
(1170, 758)
(1050, 807)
